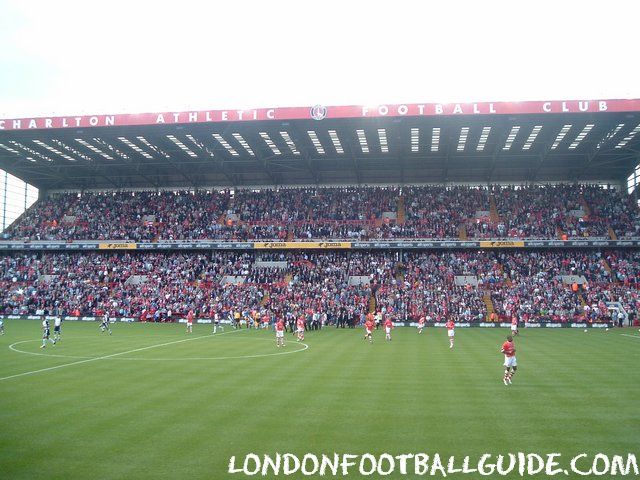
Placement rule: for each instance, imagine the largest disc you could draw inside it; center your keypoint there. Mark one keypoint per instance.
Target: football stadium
(353, 290)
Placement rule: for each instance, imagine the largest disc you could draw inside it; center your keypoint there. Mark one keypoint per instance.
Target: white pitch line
(110, 356)
(235, 357)
(630, 336)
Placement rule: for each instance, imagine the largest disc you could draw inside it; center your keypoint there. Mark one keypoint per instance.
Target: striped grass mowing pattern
(152, 402)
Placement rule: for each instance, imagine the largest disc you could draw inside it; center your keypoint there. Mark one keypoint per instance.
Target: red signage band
(319, 112)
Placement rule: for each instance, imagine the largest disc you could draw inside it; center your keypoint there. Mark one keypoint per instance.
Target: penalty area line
(104, 357)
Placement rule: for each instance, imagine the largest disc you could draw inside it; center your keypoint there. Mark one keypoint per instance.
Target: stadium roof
(597, 140)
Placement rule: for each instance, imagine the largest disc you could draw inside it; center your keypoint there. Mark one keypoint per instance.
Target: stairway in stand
(400, 214)
(611, 233)
(265, 299)
(462, 231)
(608, 268)
(289, 235)
(585, 206)
(489, 303)
(560, 233)
(287, 278)
(372, 303)
(582, 300)
(493, 210)
(507, 278)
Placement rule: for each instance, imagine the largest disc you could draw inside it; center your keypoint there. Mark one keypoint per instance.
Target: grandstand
(341, 210)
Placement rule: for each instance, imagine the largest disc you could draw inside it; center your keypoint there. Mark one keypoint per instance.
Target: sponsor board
(534, 243)
(505, 325)
(502, 244)
(200, 245)
(531, 325)
(117, 246)
(286, 245)
(487, 324)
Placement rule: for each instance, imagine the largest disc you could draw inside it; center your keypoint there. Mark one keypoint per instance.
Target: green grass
(181, 411)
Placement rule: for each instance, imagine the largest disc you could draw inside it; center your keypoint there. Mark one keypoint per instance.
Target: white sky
(71, 57)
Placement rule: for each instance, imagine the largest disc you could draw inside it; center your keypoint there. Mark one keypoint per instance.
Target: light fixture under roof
(382, 136)
(292, 146)
(435, 139)
(532, 137)
(336, 141)
(70, 149)
(561, 134)
(462, 140)
(182, 146)
(483, 139)
(55, 150)
(364, 146)
(93, 148)
(199, 144)
(628, 137)
(267, 139)
(316, 141)
(511, 137)
(30, 151)
(225, 144)
(415, 140)
(243, 143)
(156, 149)
(612, 133)
(585, 131)
(9, 149)
(135, 147)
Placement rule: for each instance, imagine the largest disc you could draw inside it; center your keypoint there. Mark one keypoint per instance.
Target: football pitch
(152, 402)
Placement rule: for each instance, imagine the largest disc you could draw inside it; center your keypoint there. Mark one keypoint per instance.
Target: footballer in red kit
(510, 363)
(388, 325)
(368, 327)
(280, 333)
(514, 326)
(300, 328)
(451, 332)
(190, 316)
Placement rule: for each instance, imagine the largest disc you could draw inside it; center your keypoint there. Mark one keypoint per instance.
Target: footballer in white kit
(57, 328)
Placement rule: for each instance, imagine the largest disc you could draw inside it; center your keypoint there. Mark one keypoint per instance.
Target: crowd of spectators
(543, 211)
(405, 285)
(548, 211)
